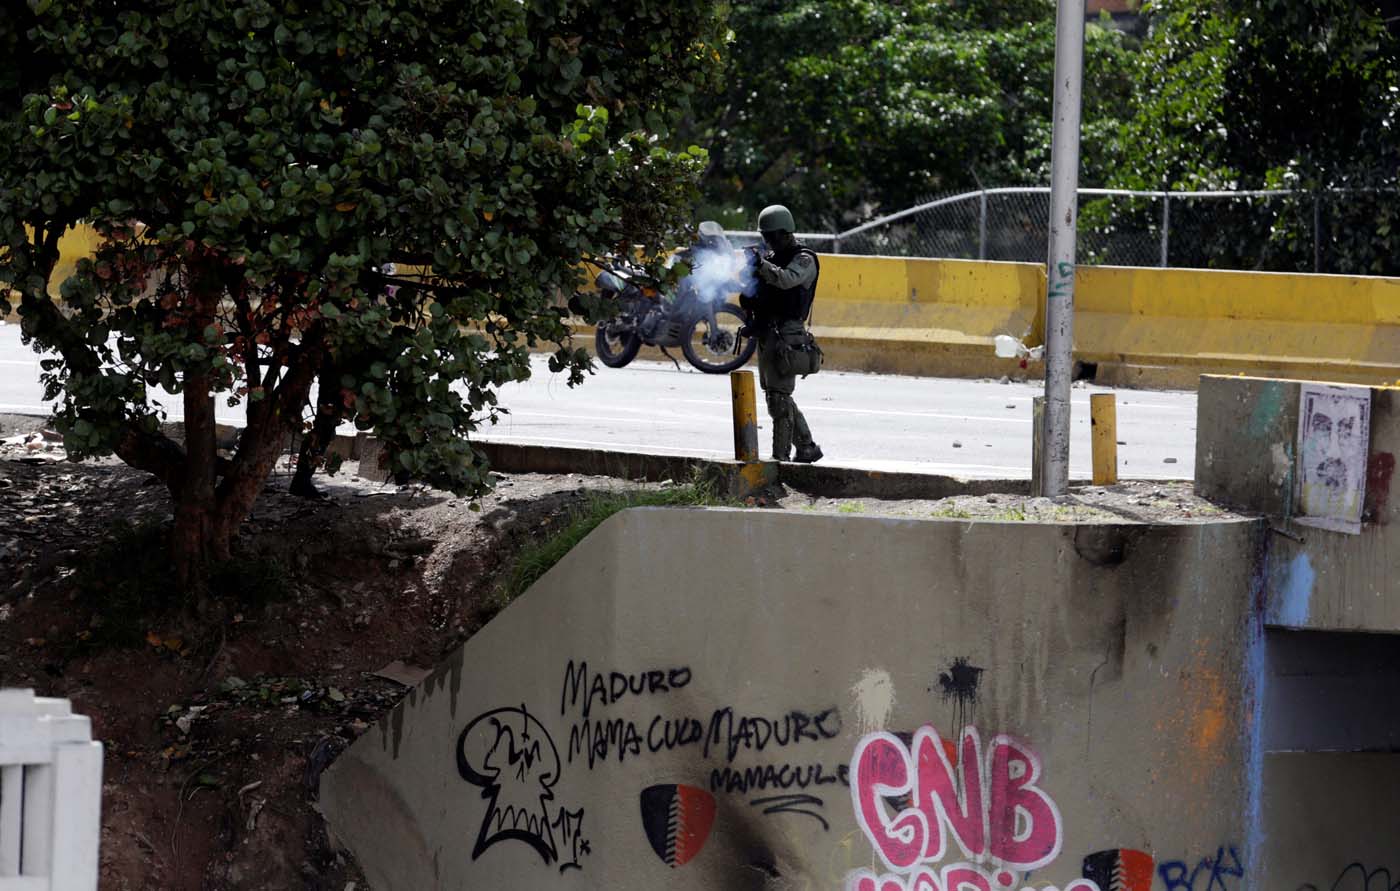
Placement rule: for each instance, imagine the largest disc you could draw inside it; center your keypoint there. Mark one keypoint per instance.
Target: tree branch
(154, 453)
(244, 310)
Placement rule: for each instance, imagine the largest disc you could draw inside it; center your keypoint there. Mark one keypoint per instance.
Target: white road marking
(806, 407)
(526, 414)
(610, 445)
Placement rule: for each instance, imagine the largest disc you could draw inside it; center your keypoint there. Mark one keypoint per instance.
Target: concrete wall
(753, 688)
(1246, 457)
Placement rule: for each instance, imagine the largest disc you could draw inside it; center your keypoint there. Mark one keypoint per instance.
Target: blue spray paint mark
(1209, 874)
(1266, 408)
(1295, 593)
(1256, 681)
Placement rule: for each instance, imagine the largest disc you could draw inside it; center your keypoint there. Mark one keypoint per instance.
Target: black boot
(808, 454)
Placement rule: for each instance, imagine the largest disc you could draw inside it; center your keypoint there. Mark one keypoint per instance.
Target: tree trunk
(198, 541)
(209, 511)
(329, 409)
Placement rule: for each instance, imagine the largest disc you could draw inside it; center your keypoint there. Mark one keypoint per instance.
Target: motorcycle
(712, 333)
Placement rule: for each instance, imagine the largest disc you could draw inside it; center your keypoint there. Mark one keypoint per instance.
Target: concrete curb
(732, 477)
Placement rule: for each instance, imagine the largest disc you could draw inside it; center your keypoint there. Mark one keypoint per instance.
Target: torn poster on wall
(1334, 437)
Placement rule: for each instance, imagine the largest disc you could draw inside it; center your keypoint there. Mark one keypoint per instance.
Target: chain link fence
(1274, 230)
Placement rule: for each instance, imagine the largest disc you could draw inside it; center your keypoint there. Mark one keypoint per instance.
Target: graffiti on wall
(1334, 437)
(512, 757)
(723, 733)
(677, 821)
(939, 814)
(984, 809)
(1356, 876)
(1221, 870)
(1120, 869)
(782, 785)
(958, 685)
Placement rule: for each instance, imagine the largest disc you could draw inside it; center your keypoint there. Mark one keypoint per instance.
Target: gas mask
(777, 239)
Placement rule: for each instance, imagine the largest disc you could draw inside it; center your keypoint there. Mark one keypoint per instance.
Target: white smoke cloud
(718, 272)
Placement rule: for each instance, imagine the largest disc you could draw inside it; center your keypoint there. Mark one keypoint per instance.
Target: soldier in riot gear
(787, 275)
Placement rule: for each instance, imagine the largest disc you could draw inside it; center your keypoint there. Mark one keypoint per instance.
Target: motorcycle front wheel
(616, 348)
(710, 348)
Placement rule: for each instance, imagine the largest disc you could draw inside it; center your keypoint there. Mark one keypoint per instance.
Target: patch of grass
(851, 507)
(954, 513)
(538, 558)
(1012, 513)
(128, 581)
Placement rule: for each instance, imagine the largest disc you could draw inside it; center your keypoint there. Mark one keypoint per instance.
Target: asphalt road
(879, 422)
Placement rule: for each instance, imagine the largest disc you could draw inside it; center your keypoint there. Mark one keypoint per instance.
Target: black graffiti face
(511, 756)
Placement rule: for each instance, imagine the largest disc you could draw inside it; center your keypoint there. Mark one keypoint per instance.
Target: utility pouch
(800, 355)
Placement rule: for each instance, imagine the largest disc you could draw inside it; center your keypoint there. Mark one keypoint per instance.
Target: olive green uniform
(776, 333)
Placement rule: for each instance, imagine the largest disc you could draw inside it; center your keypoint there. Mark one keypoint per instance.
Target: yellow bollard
(1103, 417)
(745, 416)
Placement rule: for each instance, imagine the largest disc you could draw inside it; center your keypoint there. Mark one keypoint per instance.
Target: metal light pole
(1064, 213)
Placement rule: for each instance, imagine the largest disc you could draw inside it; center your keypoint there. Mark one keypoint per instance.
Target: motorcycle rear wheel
(616, 349)
(712, 351)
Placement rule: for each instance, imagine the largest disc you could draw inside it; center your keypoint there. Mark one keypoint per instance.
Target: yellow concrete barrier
(920, 316)
(1188, 321)
(1154, 327)
(75, 244)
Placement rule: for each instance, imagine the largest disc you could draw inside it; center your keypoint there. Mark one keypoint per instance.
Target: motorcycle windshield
(607, 281)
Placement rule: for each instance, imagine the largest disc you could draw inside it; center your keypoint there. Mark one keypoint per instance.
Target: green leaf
(318, 145)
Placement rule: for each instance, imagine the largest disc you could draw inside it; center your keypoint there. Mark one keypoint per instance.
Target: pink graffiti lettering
(965, 877)
(881, 768)
(1025, 824)
(957, 877)
(992, 807)
(961, 811)
(867, 882)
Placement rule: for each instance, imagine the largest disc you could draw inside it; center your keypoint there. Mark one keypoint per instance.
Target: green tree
(1300, 94)
(256, 168)
(839, 108)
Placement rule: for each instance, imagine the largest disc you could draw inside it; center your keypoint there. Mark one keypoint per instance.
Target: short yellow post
(745, 416)
(1103, 417)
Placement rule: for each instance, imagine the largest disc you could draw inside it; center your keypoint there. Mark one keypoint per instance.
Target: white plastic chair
(50, 795)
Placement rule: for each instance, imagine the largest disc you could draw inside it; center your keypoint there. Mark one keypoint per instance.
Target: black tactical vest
(778, 305)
